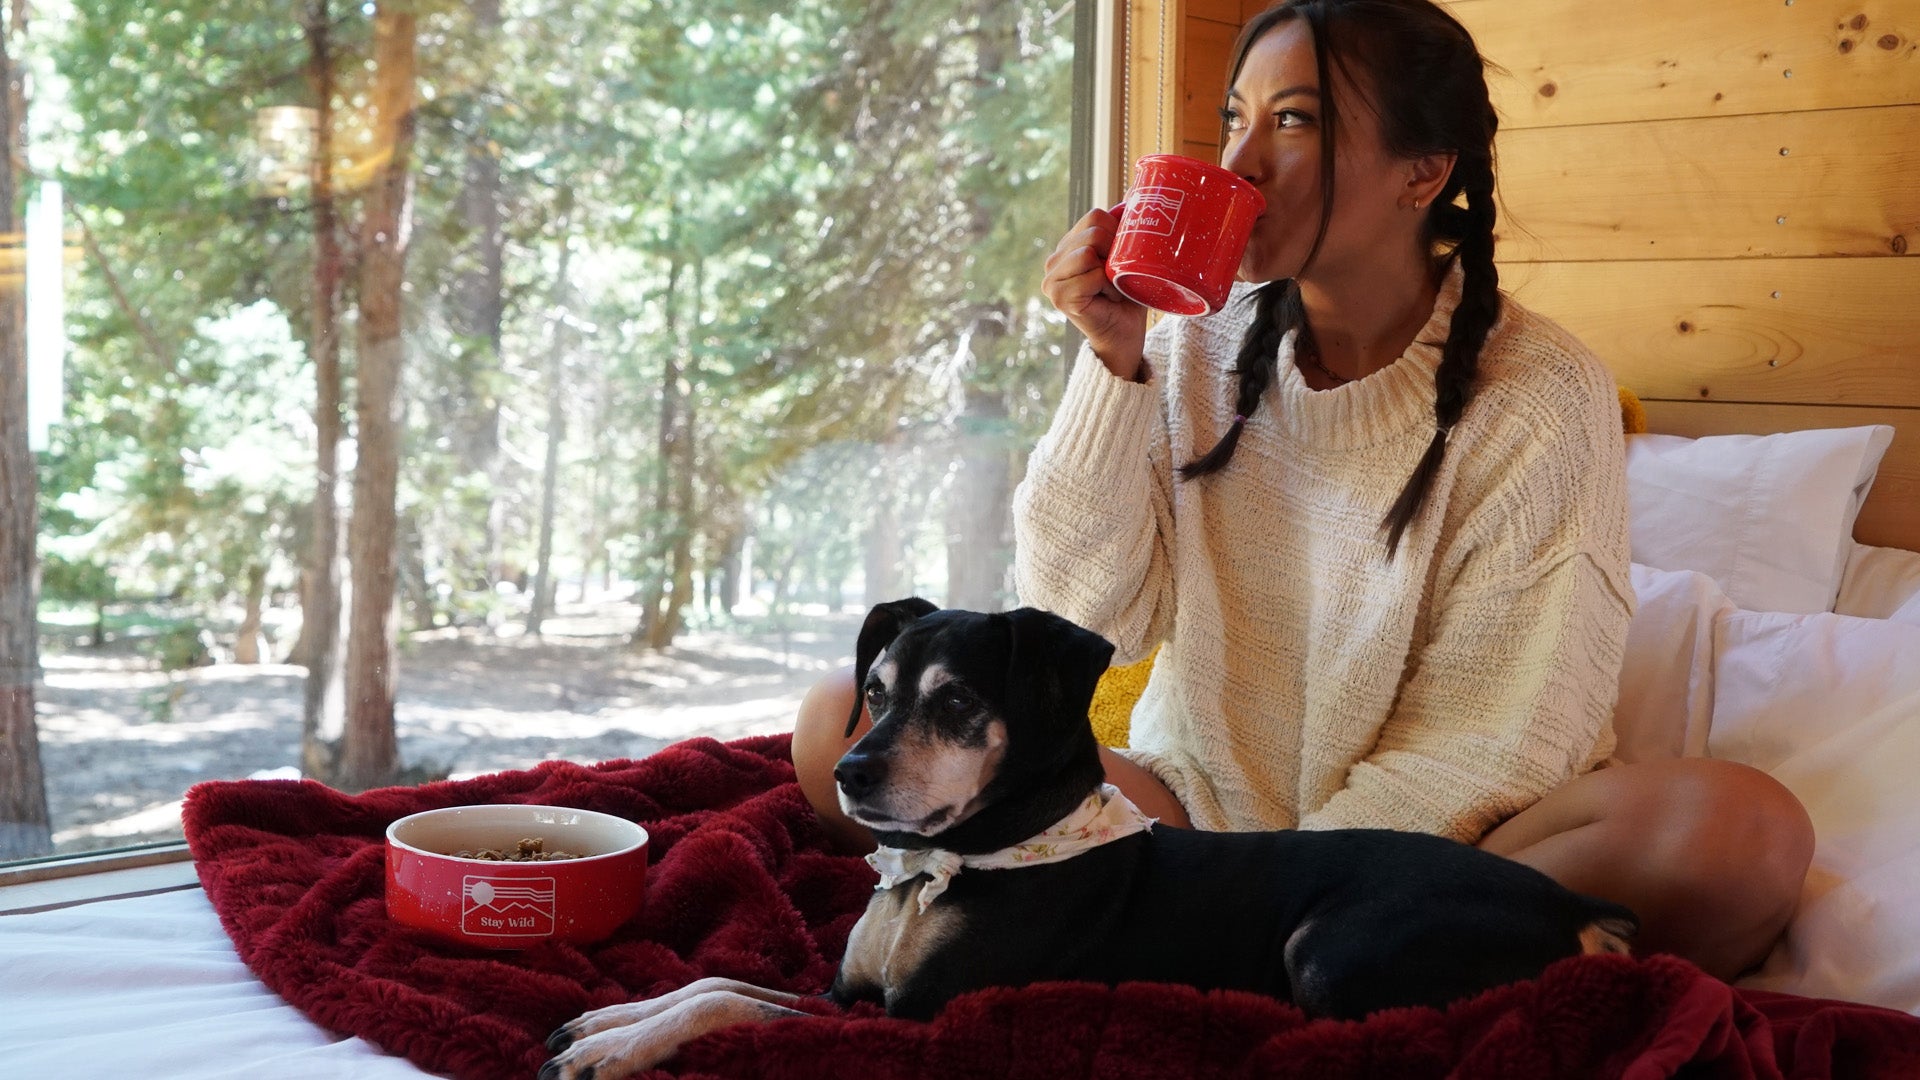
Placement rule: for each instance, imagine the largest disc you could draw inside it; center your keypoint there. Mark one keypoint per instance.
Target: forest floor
(121, 740)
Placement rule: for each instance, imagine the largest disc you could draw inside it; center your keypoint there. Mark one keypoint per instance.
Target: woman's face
(1273, 140)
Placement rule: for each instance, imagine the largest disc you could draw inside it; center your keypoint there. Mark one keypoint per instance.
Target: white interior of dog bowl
(586, 833)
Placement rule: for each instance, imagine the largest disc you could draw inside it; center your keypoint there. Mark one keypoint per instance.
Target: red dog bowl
(514, 904)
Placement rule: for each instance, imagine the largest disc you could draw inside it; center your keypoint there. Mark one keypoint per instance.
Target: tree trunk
(543, 590)
(246, 643)
(883, 549)
(24, 827)
(479, 289)
(728, 520)
(881, 554)
(417, 600)
(323, 710)
(369, 752)
(673, 616)
(655, 568)
(673, 609)
(594, 544)
(480, 302)
(979, 517)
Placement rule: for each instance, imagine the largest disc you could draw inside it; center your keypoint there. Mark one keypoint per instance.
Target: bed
(1763, 634)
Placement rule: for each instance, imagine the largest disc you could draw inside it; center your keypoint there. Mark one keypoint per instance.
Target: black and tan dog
(981, 743)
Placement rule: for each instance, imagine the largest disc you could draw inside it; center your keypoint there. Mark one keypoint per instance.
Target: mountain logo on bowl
(506, 906)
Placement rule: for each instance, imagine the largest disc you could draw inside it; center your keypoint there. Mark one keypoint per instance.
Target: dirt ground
(122, 741)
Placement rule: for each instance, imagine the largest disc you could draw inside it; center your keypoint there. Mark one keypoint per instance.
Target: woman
(1373, 513)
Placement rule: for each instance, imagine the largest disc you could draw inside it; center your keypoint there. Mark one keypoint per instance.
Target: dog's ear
(883, 624)
(1054, 664)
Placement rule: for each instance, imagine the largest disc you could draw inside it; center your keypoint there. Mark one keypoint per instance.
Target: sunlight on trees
(715, 308)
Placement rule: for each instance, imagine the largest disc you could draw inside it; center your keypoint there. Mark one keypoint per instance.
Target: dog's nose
(859, 774)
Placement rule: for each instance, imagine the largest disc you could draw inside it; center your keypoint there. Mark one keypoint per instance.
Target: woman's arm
(1092, 520)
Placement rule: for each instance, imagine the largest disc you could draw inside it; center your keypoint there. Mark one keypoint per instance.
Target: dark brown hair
(1429, 86)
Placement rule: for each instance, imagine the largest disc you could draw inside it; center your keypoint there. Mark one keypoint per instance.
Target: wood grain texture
(1787, 185)
(1222, 11)
(1205, 151)
(1587, 62)
(1891, 516)
(1209, 49)
(1814, 331)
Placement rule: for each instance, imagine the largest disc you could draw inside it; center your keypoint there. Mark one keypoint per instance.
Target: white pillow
(1881, 583)
(1769, 517)
(1830, 706)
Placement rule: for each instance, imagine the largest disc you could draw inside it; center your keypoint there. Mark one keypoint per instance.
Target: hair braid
(1473, 318)
(1276, 309)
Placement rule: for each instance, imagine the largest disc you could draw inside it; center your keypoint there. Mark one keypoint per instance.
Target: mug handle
(1119, 212)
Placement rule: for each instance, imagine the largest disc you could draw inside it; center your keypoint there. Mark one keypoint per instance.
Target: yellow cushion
(1114, 698)
(1120, 687)
(1633, 415)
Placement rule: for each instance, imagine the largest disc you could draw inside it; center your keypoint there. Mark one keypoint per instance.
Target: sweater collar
(1386, 405)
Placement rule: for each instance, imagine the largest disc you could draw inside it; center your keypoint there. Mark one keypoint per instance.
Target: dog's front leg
(621, 1040)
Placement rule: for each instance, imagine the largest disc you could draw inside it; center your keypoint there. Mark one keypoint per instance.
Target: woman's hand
(1076, 283)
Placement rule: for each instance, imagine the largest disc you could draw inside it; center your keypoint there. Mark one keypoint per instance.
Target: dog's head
(979, 724)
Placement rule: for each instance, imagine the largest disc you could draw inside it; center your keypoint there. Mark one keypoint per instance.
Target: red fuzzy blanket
(741, 886)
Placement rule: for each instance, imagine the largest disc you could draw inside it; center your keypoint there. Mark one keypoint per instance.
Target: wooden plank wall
(1722, 197)
(1179, 48)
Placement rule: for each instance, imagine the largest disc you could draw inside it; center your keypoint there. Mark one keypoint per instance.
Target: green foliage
(857, 180)
(220, 490)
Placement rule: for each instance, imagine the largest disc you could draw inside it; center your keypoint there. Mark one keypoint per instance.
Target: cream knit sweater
(1306, 680)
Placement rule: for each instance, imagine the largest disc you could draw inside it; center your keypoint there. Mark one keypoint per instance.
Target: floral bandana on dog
(1105, 816)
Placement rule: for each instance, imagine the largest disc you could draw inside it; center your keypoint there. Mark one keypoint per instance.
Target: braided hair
(1429, 86)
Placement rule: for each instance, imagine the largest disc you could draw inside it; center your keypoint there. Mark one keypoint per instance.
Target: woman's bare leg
(819, 741)
(1711, 854)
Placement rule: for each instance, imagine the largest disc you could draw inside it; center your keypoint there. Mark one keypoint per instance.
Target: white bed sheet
(1829, 704)
(151, 986)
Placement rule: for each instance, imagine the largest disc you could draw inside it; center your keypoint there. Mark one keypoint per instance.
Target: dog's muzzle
(860, 775)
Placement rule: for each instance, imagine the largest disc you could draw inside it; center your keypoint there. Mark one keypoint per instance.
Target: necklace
(1311, 357)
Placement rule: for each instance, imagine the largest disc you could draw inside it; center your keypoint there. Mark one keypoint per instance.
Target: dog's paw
(592, 1023)
(559, 1070)
(620, 1040)
(613, 1053)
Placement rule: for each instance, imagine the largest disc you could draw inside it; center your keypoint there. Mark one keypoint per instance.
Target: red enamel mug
(1183, 229)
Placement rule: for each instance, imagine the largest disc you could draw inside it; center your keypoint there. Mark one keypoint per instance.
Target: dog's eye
(876, 697)
(954, 702)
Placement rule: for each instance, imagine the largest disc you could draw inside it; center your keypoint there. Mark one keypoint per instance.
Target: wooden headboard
(1721, 197)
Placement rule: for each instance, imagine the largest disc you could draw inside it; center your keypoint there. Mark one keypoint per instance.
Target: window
(602, 360)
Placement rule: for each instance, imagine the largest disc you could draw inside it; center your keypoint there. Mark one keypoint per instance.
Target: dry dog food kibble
(532, 849)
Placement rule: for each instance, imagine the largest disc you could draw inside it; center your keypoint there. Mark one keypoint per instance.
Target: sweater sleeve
(1092, 519)
(1512, 691)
